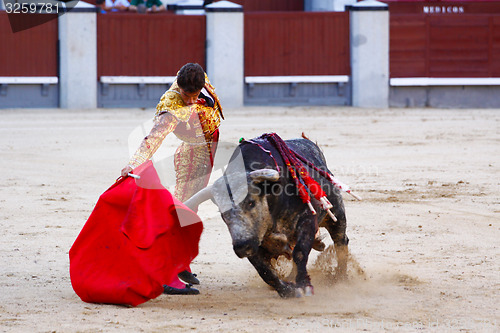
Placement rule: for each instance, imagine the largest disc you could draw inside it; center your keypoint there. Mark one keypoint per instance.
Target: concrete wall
(289, 94)
(225, 51)
(369, 22)
(471, 96)
(78, 58)
(327, 5)
(29, 96)
(130, 95)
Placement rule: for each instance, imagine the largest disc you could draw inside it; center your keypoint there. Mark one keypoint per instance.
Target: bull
(258, 201)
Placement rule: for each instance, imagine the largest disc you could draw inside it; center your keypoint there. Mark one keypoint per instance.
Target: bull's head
(243, 205)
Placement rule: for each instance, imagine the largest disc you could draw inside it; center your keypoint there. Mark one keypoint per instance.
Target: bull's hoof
(180, 291)
(291, 291)
(299, 293)
(306, 291)
(188, 277)
(288, 291)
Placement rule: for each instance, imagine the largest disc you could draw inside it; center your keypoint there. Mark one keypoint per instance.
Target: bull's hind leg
(306, 230)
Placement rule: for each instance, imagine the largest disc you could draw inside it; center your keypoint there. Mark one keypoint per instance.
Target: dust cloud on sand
(424, 242)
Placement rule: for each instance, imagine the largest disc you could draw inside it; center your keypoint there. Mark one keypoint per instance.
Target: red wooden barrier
(408, 46)
(31, 52)
(134, 44)
(296, 43)
(495, 48)
(451, 39)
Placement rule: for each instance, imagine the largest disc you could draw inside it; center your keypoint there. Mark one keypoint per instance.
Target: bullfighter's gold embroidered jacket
(190, 123)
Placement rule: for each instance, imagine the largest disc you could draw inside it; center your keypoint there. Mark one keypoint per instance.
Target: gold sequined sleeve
(164, 124)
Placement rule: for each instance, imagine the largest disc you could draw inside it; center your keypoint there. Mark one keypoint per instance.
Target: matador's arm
(164, 124)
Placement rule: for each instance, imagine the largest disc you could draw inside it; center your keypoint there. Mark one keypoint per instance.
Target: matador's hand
(126, 170)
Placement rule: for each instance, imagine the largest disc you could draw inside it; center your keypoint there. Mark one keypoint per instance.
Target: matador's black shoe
(180, 291)
(188, 277)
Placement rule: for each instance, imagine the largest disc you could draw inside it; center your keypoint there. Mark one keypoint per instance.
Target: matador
(192, 111)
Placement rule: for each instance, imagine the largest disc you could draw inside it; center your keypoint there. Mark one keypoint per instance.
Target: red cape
(138, 238)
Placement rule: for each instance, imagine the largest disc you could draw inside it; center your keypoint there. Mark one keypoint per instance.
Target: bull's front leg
(342, 256)
(306, 230)
(337, 231)
(262, 263)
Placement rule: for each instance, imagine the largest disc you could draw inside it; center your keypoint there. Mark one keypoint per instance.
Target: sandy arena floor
(425, 241)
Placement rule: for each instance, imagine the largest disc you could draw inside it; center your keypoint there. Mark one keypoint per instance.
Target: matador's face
(189, 98)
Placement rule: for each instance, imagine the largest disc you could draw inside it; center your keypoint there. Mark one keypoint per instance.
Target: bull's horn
(199, 197)
(264, 174)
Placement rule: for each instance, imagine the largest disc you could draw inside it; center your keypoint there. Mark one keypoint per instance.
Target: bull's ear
(262, 175)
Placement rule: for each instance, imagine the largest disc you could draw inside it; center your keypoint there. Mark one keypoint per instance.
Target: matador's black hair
(191, 77)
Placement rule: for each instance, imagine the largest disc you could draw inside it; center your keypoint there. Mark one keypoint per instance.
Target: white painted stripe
(137, 79)
(437, 81)
(29, 79)
(297, 79)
